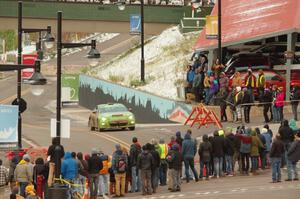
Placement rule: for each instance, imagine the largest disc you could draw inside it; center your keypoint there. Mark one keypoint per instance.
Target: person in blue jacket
(69, 170)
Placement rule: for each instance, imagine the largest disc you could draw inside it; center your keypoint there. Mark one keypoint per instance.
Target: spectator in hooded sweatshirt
(172, 141)
(134, 152)
(155, 169)
(95, 165)
(287, 136)
(69, 169)
(145, 163)
(255, 145)
(23, 173)
(229, 151)
(245, 150)
(293, 156)
(174, 159)
(276, 154)
(189, 150)
(104, 175)
(218, 145)
(268, 139)
(205, 150)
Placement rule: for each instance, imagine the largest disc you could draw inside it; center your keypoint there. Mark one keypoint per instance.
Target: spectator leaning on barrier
(295, 97)
(267, 100)
(279, 102)
(260, 84)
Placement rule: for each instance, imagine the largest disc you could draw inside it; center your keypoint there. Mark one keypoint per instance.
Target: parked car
(272, 78)
(242, 61)
(111, 116)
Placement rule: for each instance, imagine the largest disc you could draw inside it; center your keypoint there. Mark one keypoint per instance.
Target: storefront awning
(244, 21)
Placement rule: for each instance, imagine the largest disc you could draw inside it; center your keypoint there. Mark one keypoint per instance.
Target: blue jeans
(218, 164)
(291, 167)
(135, 180)
(275, 114)
(276, 173)
(154, 178)
(81, 181)
(228, 160)
(254, 163)
(189, 162)
(202, 167)
(163, 173)
(103, 184)
(22, 188)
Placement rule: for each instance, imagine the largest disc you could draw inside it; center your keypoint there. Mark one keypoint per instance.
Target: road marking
(121, 141)
(11, 98)
(109, 139)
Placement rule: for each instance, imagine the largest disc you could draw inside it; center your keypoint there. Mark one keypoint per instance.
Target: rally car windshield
(108, 109)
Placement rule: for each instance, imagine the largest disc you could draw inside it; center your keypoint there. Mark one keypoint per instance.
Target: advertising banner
(8, 126)
(135, 24)
(211, 27)
(28, 60)
(70, 88)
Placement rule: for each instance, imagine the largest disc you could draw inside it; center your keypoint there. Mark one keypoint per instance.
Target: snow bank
(162, 65)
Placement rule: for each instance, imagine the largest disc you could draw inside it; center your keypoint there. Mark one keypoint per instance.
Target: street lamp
(93, 55)
(22, 30)
(121, 6)
(220, 32)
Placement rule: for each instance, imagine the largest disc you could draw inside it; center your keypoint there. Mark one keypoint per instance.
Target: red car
(272, 78)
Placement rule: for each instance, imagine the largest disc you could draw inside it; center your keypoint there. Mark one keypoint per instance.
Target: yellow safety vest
(259, 81)
(237, 96)
(163, 151)
(252, 81)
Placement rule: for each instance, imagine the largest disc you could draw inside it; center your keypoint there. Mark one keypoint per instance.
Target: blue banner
(8, 126)
(135, 24)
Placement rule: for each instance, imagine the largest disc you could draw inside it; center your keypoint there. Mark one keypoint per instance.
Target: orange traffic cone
(86, 190)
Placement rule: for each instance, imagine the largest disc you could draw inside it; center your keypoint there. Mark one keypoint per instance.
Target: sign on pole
(8, 126)
(135, 24)
(211, 27)
(64, 128)
(70, 88)
(28, 60)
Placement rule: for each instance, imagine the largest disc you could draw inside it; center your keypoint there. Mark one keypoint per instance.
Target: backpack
(121, 164)
(170, 157)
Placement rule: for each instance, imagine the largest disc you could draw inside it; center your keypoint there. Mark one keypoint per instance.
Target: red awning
(249, 20)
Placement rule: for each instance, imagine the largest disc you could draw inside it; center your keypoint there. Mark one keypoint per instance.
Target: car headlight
(131, 117)
(103, 119)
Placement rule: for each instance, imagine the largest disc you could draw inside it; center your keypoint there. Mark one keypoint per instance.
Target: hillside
(165, 59)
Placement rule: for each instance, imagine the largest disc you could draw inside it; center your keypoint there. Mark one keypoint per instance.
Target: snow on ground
(164, 64)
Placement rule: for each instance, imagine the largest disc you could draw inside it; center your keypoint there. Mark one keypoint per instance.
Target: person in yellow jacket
(104, 175)
(163, 169)
(261, 83)
(250, 83)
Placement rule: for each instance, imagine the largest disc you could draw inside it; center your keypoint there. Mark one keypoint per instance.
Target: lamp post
(22, 30)
(220, 32)
(121, 6)
(93, 55)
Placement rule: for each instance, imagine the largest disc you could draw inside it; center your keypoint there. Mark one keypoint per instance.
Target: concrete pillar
(291, 40)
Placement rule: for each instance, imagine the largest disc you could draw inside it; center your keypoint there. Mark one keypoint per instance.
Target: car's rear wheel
(132, 128)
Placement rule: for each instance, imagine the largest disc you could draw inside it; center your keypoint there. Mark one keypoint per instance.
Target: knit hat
(26, 157)
(178, 134)
(264, 130)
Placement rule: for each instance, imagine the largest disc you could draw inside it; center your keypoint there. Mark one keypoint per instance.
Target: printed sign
(8, 126)
(70, 88)
(64, 128)
(135, 24)
(28, 60)
(211, 27)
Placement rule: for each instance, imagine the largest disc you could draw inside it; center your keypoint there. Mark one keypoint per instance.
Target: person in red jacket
(279, 103)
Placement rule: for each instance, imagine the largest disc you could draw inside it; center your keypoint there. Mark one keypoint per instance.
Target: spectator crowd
(142, 168)
(239, 94)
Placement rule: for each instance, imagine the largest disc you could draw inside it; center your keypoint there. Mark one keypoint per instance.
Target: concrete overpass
(92, 17)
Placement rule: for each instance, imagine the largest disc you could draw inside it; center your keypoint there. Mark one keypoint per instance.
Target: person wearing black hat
(135, 150)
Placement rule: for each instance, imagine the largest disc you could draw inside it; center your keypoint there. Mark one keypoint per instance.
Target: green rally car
(111, 116)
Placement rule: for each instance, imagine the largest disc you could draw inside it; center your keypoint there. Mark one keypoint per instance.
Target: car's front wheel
(132, 128)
